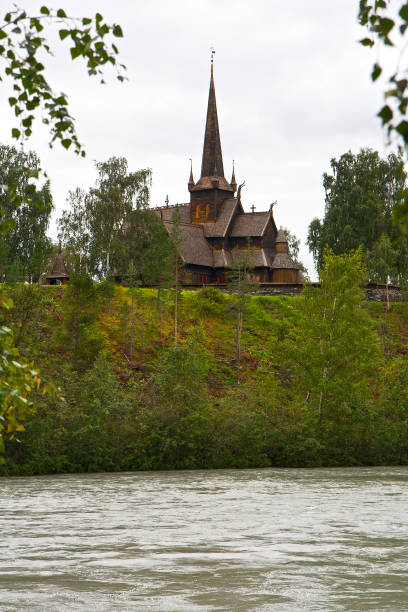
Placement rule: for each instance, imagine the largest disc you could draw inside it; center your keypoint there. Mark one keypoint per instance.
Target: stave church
(215, 230)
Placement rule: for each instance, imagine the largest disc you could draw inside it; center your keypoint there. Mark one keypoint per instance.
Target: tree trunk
(176, 308)
(132, 324)
(107, 263)
(159, 306)
(238, 345)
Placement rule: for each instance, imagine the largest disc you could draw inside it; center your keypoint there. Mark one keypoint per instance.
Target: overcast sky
(292, 85)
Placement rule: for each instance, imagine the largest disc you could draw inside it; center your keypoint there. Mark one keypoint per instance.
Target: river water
(280, 540)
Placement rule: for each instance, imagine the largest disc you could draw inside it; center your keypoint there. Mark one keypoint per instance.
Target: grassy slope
(137, 328)
(151, 328)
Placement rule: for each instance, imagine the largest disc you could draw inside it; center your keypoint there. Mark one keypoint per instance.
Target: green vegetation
(363, 194)
(323, 377)
(386, 25)
(23, 207)
(22, 47)
(26, 249)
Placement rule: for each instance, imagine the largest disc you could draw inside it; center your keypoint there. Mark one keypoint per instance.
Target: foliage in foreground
(323, 378)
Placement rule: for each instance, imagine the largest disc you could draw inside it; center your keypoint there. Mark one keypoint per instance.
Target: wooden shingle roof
(219, 228)
(59, 269)
(257, 258)
(283, 261)
(250, 224)
(281, 236)
(222, 259)
(193, 247)
(167, 212)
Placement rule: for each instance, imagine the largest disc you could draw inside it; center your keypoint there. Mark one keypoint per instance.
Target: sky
(293, 91)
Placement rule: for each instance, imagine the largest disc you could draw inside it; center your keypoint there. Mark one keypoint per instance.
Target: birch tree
(332, 348)
(116, 194)
(241, 285)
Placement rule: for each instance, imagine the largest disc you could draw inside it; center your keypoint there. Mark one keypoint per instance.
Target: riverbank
(127, 399)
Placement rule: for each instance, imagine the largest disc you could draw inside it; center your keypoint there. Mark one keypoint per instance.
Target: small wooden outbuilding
(59, 274)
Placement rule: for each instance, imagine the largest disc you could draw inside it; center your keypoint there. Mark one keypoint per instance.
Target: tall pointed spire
(210, 191)
(212, 155)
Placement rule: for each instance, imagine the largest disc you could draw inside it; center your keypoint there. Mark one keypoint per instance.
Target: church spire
(212, 155)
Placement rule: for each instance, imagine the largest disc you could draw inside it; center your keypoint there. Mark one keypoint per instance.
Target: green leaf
(2, 34)
(402, 128)
(377, 70)
(117, 31)
(404, 12)
(61, 13)
(76, 51)
(385, 26)
(63, 34)
(15, 133)
(86, 21)
(66, 142)
(367, 42)
(44, 10)
(12, 101)
(385, 114)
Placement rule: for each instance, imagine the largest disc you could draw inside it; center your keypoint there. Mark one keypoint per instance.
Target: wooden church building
(214, 229)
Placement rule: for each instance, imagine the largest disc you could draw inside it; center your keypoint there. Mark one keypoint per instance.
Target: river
(269, 539)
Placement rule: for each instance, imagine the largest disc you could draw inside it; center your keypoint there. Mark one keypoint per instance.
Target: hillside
(126, 398)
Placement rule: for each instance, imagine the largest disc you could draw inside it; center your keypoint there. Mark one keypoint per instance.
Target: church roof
(59, 269)
(281, 236)
(222, 258)
(167, 212)
(193, 247)
(211, 182)
(219, 228)
(250, 224)
(283, 261)
(257, 258)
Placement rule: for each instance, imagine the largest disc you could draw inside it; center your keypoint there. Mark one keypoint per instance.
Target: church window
(207, 210)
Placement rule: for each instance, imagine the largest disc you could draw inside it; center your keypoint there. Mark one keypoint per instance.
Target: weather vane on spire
(212, 54)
